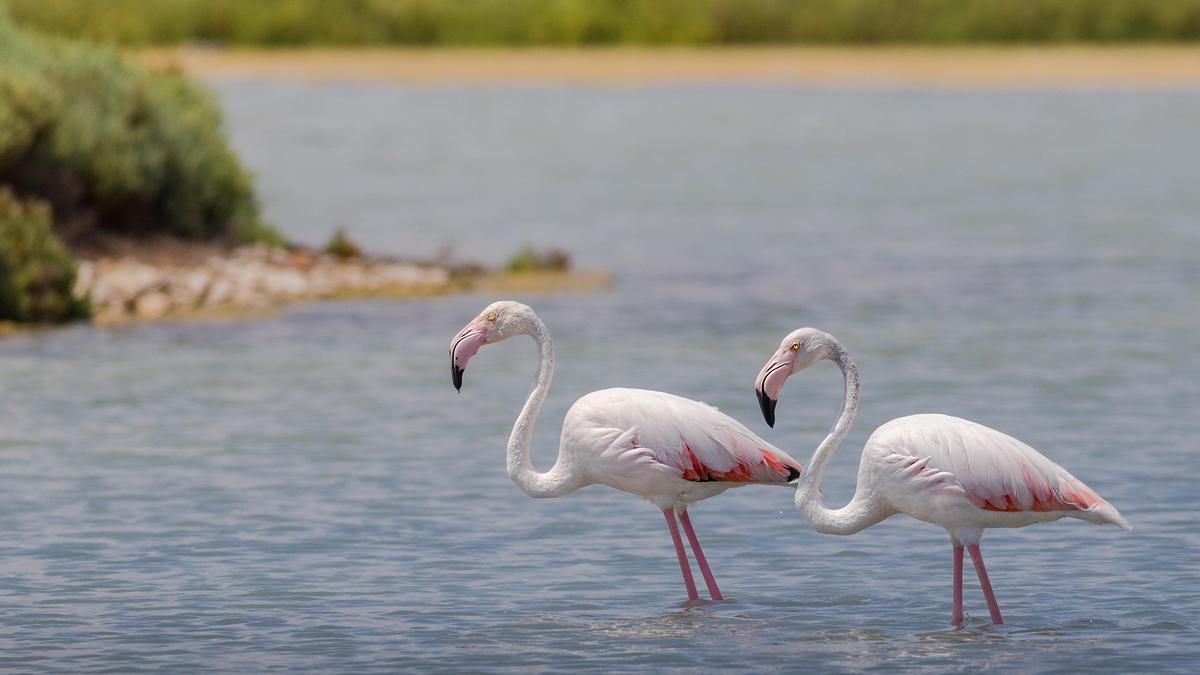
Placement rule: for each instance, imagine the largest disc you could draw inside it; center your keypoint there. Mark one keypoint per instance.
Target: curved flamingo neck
(559, 480)
(861, 512)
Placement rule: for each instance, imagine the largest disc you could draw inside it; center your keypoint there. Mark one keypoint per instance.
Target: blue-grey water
(309, 493)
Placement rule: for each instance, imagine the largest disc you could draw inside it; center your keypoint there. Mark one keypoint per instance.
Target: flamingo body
(669, 450)
(967, 477)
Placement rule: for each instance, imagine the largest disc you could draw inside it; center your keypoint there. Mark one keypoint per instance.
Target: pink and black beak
(463, 347)
(768, 384)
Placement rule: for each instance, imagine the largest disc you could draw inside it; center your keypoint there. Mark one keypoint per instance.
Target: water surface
(309, 493)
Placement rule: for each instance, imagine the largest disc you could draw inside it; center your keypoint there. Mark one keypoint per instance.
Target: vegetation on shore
(342, 246)
(105, 148)
(116, 147)
(529, 260)
(37, 273)
(597, 22)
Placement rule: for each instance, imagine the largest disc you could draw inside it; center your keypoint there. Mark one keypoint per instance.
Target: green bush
(342, 246)
(529, 260)
(115, 147)
(37, 274)
(582, 22)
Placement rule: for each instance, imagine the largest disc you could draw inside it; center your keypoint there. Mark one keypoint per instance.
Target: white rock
(244, 296)
(84, 276)
(152, 305)
(181, 293)
(196, 281)
(284, 283)
(102, 294)
(129, 278)
(220, 291)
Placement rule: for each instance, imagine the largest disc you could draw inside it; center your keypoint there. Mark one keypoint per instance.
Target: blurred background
(599, 22)
(235, 238)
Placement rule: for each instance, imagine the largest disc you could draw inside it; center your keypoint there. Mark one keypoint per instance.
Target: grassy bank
(597, 22)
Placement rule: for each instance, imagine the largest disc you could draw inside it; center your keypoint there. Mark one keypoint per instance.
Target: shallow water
(309, 493)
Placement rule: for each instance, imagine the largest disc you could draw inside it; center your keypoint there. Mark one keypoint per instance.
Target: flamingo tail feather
(1103, 513)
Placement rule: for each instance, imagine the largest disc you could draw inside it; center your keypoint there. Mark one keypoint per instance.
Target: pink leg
(956, 614)
(993, 607)
(709, 580)
(684, 567)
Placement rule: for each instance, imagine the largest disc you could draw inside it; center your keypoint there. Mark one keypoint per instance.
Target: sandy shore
(1150, 66)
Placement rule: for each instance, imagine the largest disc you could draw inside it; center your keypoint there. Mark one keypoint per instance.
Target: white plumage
(669, 450)
(944, 470)
(967, 477)
(666, 448)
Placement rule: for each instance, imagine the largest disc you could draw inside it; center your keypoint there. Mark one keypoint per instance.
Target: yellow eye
(491, 316)
(795, 347)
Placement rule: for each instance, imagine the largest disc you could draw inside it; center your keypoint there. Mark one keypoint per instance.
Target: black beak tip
(767, 405)
(456, 374)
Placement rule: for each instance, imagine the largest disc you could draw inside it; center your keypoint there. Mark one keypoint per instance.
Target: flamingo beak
(463, 347)
(768, 384)
(767, 405)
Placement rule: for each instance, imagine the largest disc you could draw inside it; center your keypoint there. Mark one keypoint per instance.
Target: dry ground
(1120, 66)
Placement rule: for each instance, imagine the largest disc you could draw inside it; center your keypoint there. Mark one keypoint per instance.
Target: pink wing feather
(694, 438)
(996, 471)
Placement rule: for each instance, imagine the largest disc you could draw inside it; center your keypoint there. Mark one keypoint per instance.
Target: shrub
(341, 246)
(37, 274)
(529, 260)
(117, 148)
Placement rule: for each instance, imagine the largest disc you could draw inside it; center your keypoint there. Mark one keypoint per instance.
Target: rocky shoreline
(127, 288)
(197, 282)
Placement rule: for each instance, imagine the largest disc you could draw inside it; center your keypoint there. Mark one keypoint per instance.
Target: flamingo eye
(491, 316)
(795, 347)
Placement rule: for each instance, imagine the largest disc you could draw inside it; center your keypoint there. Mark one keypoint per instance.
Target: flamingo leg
(684, 567)
(993, 606)
(956, 614)
(709, 579)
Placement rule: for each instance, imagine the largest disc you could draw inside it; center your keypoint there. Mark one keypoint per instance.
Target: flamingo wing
(694, 439)
(995, 471)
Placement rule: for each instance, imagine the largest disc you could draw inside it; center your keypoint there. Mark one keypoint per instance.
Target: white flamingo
(940, 469)
(663, 448)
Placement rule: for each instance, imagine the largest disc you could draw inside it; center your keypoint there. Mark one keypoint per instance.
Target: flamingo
(666, 449)
(940, 469)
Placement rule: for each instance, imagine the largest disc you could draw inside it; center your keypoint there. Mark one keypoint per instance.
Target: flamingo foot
(684, 567)
(985, 584)
(709, 580)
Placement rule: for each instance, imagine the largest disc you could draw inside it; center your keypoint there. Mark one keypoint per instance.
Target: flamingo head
(498, 321)
(799, 350)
